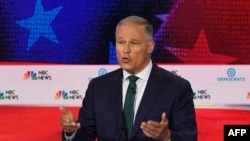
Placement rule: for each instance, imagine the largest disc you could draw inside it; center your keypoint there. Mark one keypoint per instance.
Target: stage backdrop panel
(221, 86)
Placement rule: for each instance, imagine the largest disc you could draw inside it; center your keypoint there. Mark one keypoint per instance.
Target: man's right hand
(68, 121)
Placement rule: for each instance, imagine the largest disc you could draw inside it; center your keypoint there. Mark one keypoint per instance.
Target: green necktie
(129, 104)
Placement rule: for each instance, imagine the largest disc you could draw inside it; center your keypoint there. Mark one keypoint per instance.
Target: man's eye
(134, 43)
(121, 42)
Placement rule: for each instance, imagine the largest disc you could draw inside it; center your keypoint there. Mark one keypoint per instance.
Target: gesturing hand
(68, 121)
(157, 130)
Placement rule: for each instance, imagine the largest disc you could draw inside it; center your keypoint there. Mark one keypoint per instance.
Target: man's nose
(126, 48)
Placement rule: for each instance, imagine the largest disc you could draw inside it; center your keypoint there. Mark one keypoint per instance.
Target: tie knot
(132, 78)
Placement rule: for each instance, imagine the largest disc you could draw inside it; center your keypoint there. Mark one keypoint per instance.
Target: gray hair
(149, 32)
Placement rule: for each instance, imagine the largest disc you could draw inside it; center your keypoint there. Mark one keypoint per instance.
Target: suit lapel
(116, 98)
(151, 93)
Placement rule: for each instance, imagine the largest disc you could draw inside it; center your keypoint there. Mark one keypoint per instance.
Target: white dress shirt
(140, 85)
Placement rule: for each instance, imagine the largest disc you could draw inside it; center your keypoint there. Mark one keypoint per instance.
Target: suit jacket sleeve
(183, 121)
(87, 131)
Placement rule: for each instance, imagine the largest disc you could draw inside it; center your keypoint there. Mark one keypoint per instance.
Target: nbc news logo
(8, 95)
(40, 75)
(202, 94)
(72, 94)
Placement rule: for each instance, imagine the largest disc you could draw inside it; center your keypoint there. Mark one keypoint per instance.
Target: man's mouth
(125, 59)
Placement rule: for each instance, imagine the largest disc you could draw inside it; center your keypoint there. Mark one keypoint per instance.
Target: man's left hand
(157, 130)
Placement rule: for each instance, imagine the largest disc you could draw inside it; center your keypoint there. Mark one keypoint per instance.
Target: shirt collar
(144, 74)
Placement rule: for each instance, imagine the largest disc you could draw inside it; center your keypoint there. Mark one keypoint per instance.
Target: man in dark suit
(163, 107)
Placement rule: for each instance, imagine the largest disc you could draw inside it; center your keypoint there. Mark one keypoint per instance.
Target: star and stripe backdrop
(50, 50)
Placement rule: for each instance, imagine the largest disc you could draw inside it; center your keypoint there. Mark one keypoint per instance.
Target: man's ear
(151, 46)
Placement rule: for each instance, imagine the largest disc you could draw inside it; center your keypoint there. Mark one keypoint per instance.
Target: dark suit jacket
(101, 114)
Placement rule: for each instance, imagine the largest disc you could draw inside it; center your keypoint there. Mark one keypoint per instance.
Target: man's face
(133, 49)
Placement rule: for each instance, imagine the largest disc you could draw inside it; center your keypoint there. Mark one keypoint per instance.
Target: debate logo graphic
(101, 72)
(231, 77)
